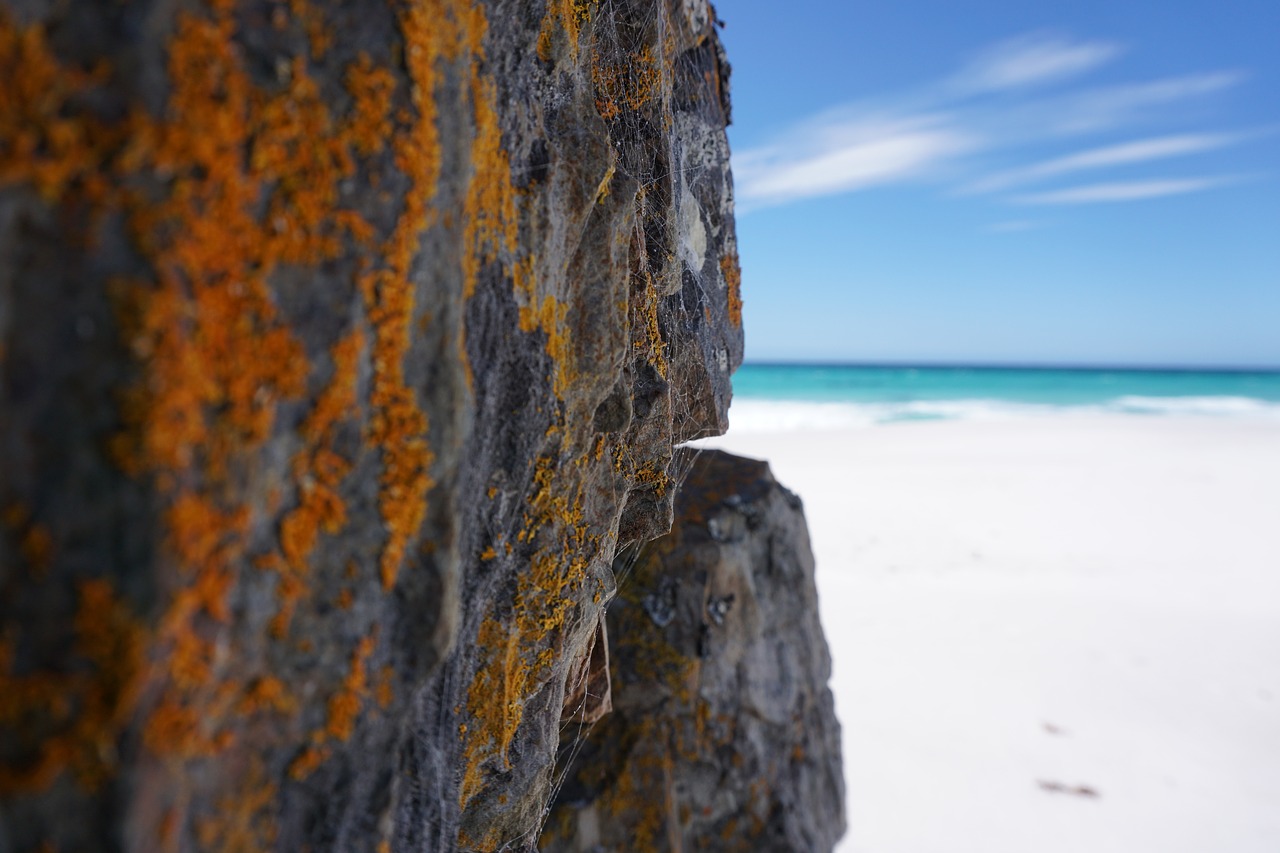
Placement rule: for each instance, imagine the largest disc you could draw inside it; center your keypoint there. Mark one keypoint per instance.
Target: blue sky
(1066, 183)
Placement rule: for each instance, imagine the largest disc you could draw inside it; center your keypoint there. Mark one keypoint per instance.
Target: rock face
(723, 734)
(343, 346)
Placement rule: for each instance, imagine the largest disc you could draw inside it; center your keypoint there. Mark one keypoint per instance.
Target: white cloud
(848, 156)
(1033, 59)
(1138, 151)
(1125, 191)
(1102, 108)
(991, 107)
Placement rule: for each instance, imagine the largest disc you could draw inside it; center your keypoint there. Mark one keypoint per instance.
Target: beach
(1050, 634)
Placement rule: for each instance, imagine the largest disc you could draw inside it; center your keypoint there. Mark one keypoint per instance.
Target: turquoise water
(1059, 387)
(781, 396)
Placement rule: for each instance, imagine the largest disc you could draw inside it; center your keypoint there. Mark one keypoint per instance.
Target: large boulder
(723, 734)
(343, 346)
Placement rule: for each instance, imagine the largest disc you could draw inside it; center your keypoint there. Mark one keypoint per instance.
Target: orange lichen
(568, 17)
(370, 87)
(70, 720)
(36, 547)
(318, 472)
(298, 146)
(386, 687)
(40, 143)
(230, 183)
(345, 704)
(15, 516)
(308, 760)
(489, 209)
(268, 693)
(432, 31)
(343, 708)
(208, 334)
(319, 33)
(733, 282)
(518, 660)
(642, 793)
(201, 534)
(547, 314)
(491, 226)
(627, 85)
(214, 354)
(245, 822)
(646, 332)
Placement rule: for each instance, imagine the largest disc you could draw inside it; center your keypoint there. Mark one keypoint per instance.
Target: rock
(723, 734)
(343, 346)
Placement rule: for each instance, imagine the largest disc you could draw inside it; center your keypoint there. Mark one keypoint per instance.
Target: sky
(941, 181)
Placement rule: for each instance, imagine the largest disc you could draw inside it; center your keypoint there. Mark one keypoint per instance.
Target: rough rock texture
(723, 733)
(343, 344)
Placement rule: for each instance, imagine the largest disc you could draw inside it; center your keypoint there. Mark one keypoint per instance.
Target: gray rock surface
(342, 346)
(723, 734)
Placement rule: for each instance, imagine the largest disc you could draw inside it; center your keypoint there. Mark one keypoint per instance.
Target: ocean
(770, 397)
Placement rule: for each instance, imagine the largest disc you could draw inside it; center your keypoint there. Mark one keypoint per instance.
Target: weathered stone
(343, 345)
(723, 734)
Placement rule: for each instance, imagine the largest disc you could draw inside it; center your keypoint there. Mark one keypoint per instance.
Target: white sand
(1085, 601)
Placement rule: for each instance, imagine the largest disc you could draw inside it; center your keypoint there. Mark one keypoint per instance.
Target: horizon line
(998, 365)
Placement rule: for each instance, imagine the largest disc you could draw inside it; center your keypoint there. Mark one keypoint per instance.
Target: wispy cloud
(1033, 59)
(1013, 226)
(1126, 153)
(849, 156)
(991, 109)
(1126, 191)
(1099, 109)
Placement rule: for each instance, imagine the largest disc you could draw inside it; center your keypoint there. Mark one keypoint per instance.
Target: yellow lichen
(733, 283)
(646, 332)
(490, 210)
(602, 189)
(547, 314)
(517, 659)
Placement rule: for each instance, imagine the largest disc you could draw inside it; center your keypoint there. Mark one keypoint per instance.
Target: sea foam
(751, 415)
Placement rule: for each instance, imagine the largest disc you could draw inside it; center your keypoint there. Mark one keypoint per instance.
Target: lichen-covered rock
(343, 344)
(723, 734)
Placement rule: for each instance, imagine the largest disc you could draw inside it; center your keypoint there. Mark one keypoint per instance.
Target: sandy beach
(1050, 635)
